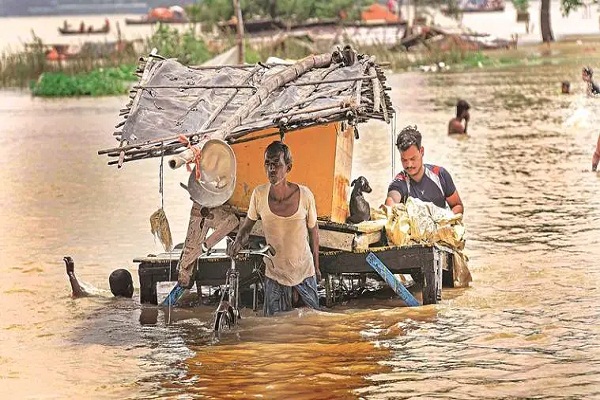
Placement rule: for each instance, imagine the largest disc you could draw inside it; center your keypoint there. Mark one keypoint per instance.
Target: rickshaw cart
(313, 105)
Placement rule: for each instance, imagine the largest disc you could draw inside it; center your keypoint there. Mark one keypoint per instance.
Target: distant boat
(145, 20)
(171, 15)
(83, 30)
(104, 29)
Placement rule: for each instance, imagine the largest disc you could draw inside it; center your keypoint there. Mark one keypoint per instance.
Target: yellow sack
(422, 225)
(397, 227)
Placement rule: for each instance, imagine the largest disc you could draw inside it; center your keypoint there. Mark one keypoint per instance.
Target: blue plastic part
(174, 296)
(392, 281)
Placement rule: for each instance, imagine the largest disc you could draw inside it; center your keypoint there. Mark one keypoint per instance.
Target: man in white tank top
(289, 220)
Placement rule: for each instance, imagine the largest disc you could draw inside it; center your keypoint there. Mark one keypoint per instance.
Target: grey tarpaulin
(173, 99)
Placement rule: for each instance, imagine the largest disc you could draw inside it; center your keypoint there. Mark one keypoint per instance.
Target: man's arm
(393, 197)
(455, 203)
(78, 291)
(313, 240)
(76, 288)
(596, 156)
(241, 239)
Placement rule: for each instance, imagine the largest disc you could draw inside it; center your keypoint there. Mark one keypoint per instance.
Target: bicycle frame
(228, 312)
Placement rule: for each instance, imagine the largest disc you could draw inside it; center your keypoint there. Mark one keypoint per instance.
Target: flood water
(528, 327)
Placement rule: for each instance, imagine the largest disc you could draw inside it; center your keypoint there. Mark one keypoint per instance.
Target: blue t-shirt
(434, 187)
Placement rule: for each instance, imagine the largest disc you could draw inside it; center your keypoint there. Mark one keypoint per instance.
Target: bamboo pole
(220, 108)
(309, 83)
(240, 32)
(207, 86)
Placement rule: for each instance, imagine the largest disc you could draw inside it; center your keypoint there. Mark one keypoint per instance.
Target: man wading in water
(423, 181)
(462, 112)
(289, 221)
(596, 156)
(120, 281)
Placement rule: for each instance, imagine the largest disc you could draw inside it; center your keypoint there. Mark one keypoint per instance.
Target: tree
(213, 11)
(547, 35)
(566, 7)
(570, 5)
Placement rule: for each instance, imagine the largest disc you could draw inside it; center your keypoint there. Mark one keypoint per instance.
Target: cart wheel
(234, 315)
(226, 319)
(222, 321)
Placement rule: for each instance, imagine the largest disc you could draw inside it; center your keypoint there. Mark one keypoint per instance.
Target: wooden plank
(328, 239)
(336, 240)
(342, 173)
(363, 240)
(397, 259)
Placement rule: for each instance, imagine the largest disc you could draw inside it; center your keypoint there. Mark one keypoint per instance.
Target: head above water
(461, 107)
(121, 283)
(278, 162)
(411, 151)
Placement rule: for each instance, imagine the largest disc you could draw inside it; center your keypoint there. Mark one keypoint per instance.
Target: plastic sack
(397, 227)
(460, 271)
(422, 225)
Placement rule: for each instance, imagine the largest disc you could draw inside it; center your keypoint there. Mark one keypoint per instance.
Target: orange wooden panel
(341, 175)
(322, 161)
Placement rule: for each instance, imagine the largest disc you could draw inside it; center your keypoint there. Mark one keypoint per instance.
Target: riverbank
(93, 69)
(24, 68)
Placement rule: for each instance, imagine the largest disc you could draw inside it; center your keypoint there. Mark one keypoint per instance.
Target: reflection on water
(528, 326)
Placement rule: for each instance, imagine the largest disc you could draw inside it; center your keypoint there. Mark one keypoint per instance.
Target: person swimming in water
(120, 281)
(592, 89)
(462, 112)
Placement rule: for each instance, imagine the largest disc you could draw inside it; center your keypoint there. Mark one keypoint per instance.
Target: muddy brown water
(527, 328)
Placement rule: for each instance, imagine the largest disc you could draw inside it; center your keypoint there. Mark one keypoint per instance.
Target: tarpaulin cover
(161, 113)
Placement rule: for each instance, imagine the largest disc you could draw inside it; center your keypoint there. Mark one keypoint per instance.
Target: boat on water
(171, 15)
(83, 29)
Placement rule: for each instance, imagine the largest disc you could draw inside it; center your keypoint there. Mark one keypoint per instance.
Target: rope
(393, 133)
(197, 153)
(161, 190)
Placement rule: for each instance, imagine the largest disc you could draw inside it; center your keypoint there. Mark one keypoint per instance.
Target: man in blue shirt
(423, 181)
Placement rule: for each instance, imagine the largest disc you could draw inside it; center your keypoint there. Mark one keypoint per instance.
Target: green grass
(89, 74)
(100, 82)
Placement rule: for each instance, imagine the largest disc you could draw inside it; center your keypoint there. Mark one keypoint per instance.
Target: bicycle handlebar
(266, 250)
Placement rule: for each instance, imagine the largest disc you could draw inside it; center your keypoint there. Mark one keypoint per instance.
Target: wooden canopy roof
(174, 106)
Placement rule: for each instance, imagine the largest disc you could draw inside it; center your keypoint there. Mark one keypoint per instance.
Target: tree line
(214, 11)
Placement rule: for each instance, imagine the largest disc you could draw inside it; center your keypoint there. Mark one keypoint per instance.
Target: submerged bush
(98, 69)
(101, 82)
